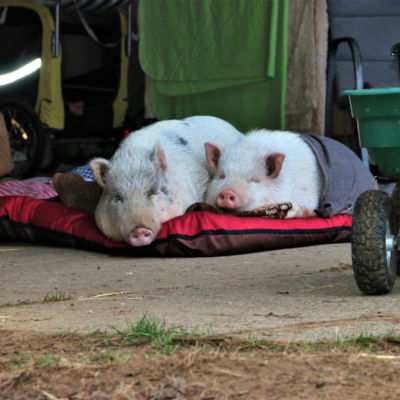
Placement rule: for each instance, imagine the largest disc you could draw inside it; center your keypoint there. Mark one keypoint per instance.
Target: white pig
(318, 175)
(155, 175)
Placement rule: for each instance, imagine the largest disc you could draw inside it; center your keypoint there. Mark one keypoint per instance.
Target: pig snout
(141, 236)
(228, 199)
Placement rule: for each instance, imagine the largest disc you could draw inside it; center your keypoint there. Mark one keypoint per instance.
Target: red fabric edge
(196, 222)
(53, 216)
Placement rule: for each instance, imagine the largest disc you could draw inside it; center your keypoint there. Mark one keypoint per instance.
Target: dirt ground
(51, 297)
(97, 367)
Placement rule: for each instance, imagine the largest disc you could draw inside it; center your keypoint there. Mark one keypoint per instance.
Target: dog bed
(197, 233)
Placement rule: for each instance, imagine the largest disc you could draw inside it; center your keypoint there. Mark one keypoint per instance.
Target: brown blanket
(75, 192)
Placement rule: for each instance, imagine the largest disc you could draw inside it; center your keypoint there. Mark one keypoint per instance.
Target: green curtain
(226, 58)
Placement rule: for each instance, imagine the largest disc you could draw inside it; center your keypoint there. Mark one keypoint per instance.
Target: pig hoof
(271, 211)
(278, 211)
(285, 206)
(141, 237)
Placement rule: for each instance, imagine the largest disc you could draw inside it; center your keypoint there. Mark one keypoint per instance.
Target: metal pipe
(87, 5)
(129, 36)
(56, 34)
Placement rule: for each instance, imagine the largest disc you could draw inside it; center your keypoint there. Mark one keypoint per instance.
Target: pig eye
(255, 180)
(118, 198)
(155, 190)
(222, 176)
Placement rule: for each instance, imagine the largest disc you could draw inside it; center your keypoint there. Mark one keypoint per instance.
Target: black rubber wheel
(396, 215)
(26, 137)
(374, 249)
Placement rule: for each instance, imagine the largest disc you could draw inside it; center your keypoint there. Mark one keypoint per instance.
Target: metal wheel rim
(389, 243)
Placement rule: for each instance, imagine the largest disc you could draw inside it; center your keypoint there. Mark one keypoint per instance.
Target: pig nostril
(141, 233)
(231, 198)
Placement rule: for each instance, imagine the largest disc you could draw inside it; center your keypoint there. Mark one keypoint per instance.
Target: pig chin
(108, 228)
(109, 224)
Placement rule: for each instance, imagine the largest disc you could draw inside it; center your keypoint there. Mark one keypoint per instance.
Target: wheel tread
(372, 274)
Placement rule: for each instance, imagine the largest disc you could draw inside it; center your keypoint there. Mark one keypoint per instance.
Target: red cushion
(197, 233)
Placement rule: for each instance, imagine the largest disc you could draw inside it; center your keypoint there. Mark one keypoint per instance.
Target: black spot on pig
(164, 189)
(181, 141)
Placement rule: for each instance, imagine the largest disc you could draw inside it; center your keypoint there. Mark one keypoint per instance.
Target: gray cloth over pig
(343, 175)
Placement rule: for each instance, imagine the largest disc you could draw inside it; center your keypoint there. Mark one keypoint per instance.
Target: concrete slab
(297, 294)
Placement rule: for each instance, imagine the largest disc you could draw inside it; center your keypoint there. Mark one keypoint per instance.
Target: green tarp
(217, 57)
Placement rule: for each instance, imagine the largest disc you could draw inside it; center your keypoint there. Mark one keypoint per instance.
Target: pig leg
(287, 211)
(277, 211)
(298, 211)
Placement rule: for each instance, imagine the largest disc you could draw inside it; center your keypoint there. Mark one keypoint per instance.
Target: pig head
(136, 197)
(262, 169)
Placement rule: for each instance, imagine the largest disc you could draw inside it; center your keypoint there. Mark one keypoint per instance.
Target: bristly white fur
(133, 171)
(244, 169)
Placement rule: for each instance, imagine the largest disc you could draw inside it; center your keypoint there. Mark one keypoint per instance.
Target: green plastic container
(377, 112)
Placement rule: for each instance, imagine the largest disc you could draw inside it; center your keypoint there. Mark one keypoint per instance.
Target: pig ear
(273, 163)
(158, 156)
(213, 153)
(100, 166)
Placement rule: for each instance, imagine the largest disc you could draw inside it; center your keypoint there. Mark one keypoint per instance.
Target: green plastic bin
(377, 112)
